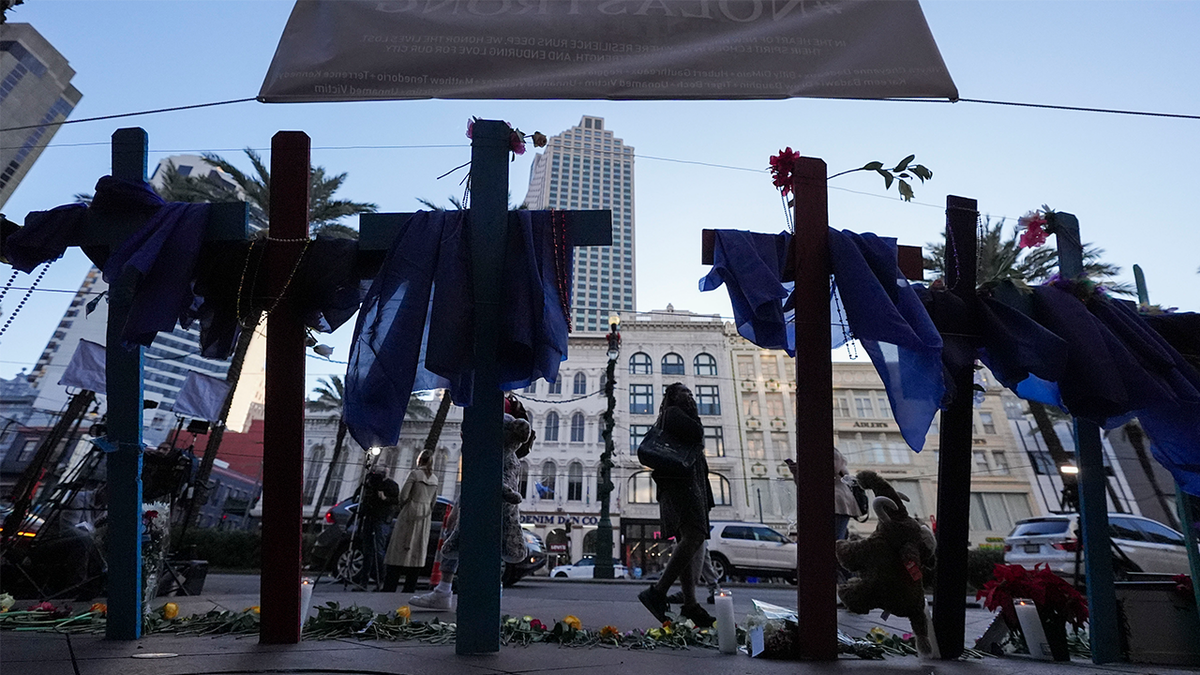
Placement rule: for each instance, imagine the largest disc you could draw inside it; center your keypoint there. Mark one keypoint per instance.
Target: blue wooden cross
(479, 570)
(124, 384)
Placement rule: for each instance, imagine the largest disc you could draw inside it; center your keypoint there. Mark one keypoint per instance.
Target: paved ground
(596, 604)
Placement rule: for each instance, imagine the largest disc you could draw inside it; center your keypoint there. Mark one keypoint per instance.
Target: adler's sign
(357, 50)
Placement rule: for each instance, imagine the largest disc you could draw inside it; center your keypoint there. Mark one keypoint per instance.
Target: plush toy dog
(891, 562)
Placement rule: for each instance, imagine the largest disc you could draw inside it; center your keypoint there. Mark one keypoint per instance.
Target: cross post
(479, 571)
(124, 388)
(1103, 629)
(283, 411)
(955, 437)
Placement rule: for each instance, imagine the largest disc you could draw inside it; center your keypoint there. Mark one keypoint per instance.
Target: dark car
(337, 551)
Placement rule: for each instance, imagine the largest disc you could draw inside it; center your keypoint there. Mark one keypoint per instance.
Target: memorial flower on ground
(573, 621)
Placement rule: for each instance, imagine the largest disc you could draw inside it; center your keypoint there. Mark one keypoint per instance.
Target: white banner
(201, 397)
(357, 50)
(86, 369)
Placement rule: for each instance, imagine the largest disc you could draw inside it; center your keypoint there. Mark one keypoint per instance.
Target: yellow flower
(877, 634)
(170, 611)
(253, 609)
(655, 633)
(610, 632)
(573, 621)
(100, 608)
(404, 612)
(667, 627)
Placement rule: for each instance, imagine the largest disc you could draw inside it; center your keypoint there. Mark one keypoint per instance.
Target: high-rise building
(36, 92)
(585, 167)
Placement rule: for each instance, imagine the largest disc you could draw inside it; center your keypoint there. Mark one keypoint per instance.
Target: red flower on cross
(782, 166)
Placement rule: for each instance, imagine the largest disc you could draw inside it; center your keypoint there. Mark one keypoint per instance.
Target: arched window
(555, 387)
(523, 487)
(575, 482)
(722, 494)
(641, 489)
(316, 462)
(705, 364)
(545, 486)
(551, 426)
(577, 428)
(580, 384)
(672, 364)
(640, 364)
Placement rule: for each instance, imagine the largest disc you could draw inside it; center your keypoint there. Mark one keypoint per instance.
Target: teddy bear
(890, 563)
(518, 440)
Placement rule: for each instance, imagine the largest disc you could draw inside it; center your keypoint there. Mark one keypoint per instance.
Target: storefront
(643, 549)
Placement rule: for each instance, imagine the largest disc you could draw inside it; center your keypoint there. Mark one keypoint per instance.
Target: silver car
(1139, 545)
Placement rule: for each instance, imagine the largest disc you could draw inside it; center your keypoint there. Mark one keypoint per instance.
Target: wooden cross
(816, 589)
(283, 447)
(124, 384)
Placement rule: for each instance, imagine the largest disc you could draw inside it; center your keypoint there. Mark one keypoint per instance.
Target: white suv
(751, 549)
(1141, 544)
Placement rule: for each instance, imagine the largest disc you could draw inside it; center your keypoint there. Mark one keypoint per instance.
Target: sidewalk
(50, 654)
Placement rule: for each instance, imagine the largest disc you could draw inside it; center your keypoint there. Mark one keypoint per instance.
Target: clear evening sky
(1130, 179)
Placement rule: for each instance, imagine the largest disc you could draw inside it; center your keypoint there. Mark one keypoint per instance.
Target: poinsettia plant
(1051, 593)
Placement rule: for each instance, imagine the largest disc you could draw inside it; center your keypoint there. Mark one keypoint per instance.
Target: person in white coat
(410, 537)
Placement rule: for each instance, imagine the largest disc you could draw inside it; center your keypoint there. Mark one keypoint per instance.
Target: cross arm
(227, 221)
(908, 258)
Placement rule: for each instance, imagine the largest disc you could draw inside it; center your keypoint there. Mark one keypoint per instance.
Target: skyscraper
(585, 167)
(36, 92)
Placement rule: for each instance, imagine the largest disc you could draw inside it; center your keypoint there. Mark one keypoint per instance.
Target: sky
(1129, 179)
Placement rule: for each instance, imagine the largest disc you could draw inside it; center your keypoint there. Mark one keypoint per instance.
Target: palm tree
(329, 399)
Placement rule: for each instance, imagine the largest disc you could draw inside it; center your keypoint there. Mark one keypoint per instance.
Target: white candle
(726, 628)
(306, 589)
(1031, 627)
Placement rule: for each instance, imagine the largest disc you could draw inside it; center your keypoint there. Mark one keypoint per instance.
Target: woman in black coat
(684, 503)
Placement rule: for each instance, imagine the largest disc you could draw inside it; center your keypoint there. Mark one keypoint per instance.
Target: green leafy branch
(901, 174)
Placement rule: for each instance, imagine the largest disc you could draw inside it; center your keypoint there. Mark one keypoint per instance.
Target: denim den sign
(557, 519)
(357, 50)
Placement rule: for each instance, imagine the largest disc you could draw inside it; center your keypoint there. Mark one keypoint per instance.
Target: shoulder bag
(664, 454)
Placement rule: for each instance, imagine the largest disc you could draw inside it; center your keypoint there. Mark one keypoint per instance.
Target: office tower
(36, 93)
(585, 167)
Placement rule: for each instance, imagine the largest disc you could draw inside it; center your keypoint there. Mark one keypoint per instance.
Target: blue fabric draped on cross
(163, 250)
(416, 331)
(881, 309)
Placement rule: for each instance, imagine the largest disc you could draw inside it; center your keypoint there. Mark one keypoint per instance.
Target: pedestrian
(707, 575)
(683, 503)
(845, 506)
(410, 535)
(378, 498)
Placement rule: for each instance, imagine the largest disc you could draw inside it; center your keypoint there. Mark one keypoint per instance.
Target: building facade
(36, 94)
(586, 167)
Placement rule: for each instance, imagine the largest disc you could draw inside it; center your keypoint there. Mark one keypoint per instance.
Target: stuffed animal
(517, 433)
(517, 441)
(890, 563)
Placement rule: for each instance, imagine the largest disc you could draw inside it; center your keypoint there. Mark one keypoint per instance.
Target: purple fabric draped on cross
(416, 329)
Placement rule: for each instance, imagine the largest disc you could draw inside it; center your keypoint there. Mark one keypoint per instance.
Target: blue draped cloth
(880, 307)
(416, 327)
(164, 250)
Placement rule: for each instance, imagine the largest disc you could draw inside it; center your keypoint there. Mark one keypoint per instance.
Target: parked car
(750, 549)
(1140, 544)
(583, 569)
(336, 550)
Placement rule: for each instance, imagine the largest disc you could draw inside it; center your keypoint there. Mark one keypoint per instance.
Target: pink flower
(536, 624)
(781, 168)
(516, 142)
(1034, 223)
(470, 127)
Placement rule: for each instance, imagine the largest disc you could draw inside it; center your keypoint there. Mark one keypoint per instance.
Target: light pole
(603, 568)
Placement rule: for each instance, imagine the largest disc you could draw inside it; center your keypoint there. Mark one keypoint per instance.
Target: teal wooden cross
(124, 383)
(479, 571)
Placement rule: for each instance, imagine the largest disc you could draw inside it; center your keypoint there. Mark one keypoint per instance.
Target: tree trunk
(337, 456)
(1137, 438)
(200, 484)
(1045, 425)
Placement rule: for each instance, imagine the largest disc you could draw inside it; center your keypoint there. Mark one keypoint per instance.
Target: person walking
(845, 506)
(707, 575)
(379, 496)
(410, 535)
(684, 503)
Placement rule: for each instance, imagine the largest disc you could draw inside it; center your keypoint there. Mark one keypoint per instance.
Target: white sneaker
(431, 600)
